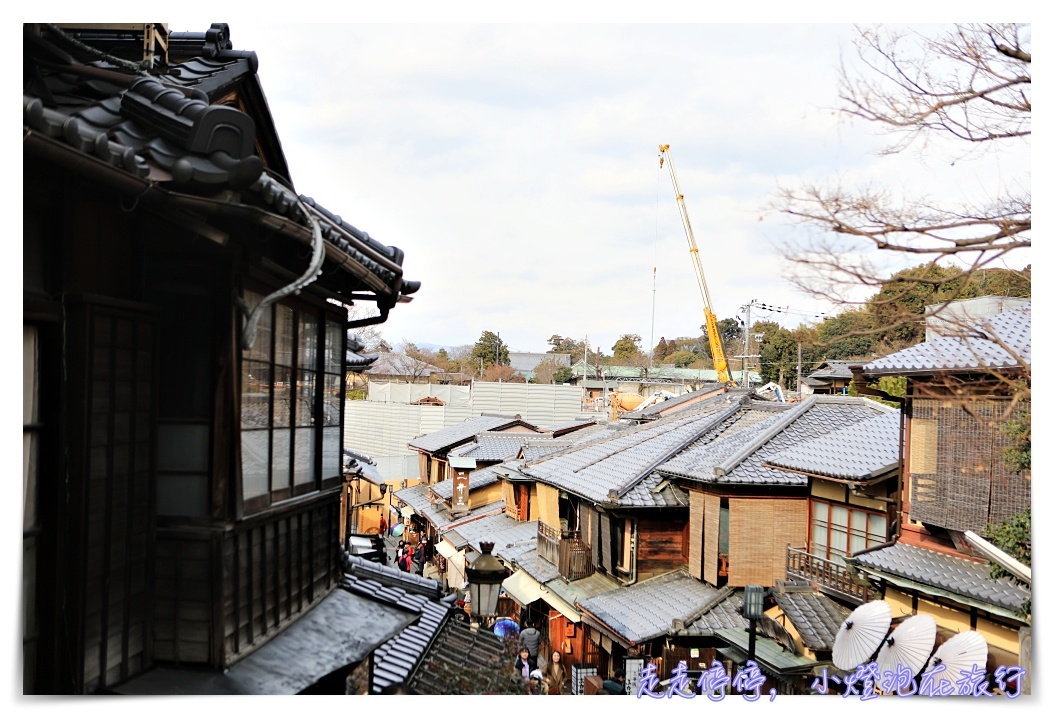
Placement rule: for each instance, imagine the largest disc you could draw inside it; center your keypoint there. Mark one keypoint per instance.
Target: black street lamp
(753, 610)
(485, 575)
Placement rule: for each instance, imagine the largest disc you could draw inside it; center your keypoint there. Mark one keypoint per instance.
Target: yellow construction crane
(717, 349)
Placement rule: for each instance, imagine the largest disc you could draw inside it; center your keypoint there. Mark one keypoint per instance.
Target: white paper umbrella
(860, 634)
(959, 653)
(909, 645)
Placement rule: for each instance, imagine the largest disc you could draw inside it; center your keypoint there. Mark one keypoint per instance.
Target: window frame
(282, 484)
(830, 553)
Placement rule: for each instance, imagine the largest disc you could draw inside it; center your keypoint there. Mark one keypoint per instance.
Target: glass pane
(280, 459)
(840, 517)
(330, 452)
(331, 401)
(283, 348)
(877, 530)
(819, 540)
(819, 513)
(334, 346)
(256, 394)
(857, 542)
(839, 541)
(254, 463)
(183, 495)
(305, 395)
(261, 348)
(282, 388)
(308, 337)
(859, 522)
(304, 461)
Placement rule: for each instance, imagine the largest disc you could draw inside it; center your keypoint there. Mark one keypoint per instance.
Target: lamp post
(753, 610)
(485, 575)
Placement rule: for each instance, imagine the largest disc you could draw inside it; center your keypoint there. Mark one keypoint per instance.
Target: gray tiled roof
(833, 369)
(457, 645)
(647, 610)
(959, 576)
(974, 352)
(525, 556)
(499, 529)
(726, 614)
(654, 410)
(476, 480)
(621, 462)
(395, 659)
(861, 451)
(418, 498)
(735, 452)
(391, 576)
(458, 433)
(494, 446)
(535, 450)
(814, 616)
(158, 126)
(571, 426)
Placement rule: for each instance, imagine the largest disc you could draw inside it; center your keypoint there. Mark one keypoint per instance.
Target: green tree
(731, 332)
(490, 349)
(779, 352)
(848, 335)
(661, 351)
(681, 359)
(627, 349)
(898, 309)
(563, 375)
(1014, 536)
(566, 345)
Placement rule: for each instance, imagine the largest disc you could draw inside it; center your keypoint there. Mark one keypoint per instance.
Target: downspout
(318, 257)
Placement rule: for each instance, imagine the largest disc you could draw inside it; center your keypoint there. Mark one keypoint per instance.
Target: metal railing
(828, 576)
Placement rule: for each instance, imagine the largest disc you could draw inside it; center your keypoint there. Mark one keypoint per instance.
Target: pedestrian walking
(531, 639)
(525, 664)
(553, 675)
(384, 527)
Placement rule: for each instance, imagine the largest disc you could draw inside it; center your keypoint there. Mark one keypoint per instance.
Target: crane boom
(717, 349)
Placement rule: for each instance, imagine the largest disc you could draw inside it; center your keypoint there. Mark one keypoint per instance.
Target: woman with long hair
(554, 675)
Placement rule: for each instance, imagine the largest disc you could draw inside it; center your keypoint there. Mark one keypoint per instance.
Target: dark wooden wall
(276, 568)
(107, 513)
(660, 542)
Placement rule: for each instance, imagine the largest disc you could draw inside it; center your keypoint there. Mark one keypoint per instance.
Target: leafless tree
(970, 85)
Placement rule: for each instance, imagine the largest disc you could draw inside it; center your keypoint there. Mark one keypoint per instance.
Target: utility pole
(799, 370)
(651, 352)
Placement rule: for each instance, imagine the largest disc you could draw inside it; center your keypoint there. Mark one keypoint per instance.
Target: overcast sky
(517, 164)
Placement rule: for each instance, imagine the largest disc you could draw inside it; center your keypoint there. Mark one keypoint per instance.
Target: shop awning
(523, 589)
(445, 549)
(569, 611)
(407, 511)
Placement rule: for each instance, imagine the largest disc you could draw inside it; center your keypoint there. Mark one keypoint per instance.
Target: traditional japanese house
(744, 513)
(433, 448)
(185, 321)
(963, 388)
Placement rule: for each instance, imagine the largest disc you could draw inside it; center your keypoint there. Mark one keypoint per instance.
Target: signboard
(459, 501)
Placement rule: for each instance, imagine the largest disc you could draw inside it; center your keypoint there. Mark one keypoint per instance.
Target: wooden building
(184, 343)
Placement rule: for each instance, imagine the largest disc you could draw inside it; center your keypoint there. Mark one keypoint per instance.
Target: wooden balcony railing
(576, 560)
(828, 576)
(549, 543)
(566, 551)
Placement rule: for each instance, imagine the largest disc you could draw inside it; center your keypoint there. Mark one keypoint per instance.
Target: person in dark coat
(531, 639)
(616, 686)
(525, 663)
